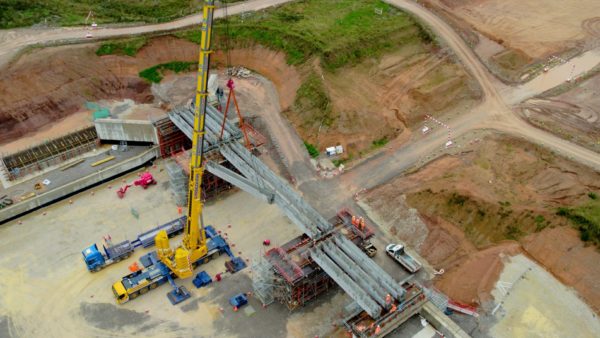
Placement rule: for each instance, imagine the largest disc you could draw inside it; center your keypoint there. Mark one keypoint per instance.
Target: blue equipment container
(238, 300)
(202, 279)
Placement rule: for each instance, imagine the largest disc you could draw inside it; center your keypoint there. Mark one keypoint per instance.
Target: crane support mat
(149, 259)
(235, 265)
(238, 300)
(202, 279)
(178, 295)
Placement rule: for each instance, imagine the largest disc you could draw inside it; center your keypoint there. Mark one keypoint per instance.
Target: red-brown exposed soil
(496, 189)
(537, 28)
(472, 280)
(46, 85)
(273, 66)
(385, 98)
(561, 251)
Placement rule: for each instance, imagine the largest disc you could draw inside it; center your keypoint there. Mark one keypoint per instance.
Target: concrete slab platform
(51, 293)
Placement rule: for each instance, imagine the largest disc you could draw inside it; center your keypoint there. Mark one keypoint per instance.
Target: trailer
(173, 228)
(95, 260)
(155, 273)
(398, 253)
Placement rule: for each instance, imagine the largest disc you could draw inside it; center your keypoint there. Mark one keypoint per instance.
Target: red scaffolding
(170, 139)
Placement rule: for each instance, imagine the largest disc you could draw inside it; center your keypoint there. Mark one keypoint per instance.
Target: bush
(513, 232)
(592, 195)
(154, 74)
(457, 199)
(586, 218)
(380, 142)
(128, 47)
(312, 150)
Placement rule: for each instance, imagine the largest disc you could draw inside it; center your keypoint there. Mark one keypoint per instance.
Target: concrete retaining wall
(54, 195)
(443, 323)
(126, 130)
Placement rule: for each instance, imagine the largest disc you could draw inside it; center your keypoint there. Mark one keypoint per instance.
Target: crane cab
(93, 258)
(120, 293)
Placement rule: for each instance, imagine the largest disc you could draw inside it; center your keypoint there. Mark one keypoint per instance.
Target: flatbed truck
(96, 260)
(399, 254)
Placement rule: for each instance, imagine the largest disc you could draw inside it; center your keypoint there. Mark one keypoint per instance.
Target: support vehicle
(397, 252)
(368, 248)
(156, 273)
(146, 179)
(95, 260)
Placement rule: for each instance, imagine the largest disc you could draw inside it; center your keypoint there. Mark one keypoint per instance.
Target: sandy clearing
(538, 27)
(538, 305)
(52, 294)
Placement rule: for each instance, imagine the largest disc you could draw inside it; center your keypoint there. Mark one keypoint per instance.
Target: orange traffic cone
(235, 308)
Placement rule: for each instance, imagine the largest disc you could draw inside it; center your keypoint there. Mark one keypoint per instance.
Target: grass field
(124, 47)
(154, 74)
(340, 32)
(19, 13)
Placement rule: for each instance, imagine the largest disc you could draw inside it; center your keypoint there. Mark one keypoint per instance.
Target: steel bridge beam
(346, 283)
(374, 270)
(358, 275)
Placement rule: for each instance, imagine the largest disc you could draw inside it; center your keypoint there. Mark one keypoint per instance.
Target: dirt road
(493, 113)
(286, 140)
(498, 114)
(12, 41)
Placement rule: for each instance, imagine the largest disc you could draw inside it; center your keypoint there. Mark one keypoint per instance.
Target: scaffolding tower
(178, 181)
(263, 280)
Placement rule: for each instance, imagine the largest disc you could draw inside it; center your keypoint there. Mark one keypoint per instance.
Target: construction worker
(393, 309)
(378, 330)
(362, 224)
(354, 220)
(388, 299)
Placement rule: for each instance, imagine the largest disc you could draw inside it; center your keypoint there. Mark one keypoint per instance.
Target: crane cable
(226, 38)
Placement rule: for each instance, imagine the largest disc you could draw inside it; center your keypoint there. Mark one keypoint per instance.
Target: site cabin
(398, 253)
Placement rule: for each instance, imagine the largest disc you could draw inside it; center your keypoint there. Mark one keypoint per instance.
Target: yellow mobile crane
(193, 246)
(199, 243)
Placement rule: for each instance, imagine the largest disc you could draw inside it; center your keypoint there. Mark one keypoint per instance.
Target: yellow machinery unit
(181, 261)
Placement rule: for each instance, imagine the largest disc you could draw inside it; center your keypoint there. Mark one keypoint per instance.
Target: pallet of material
(71, 165)
(110, 158)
